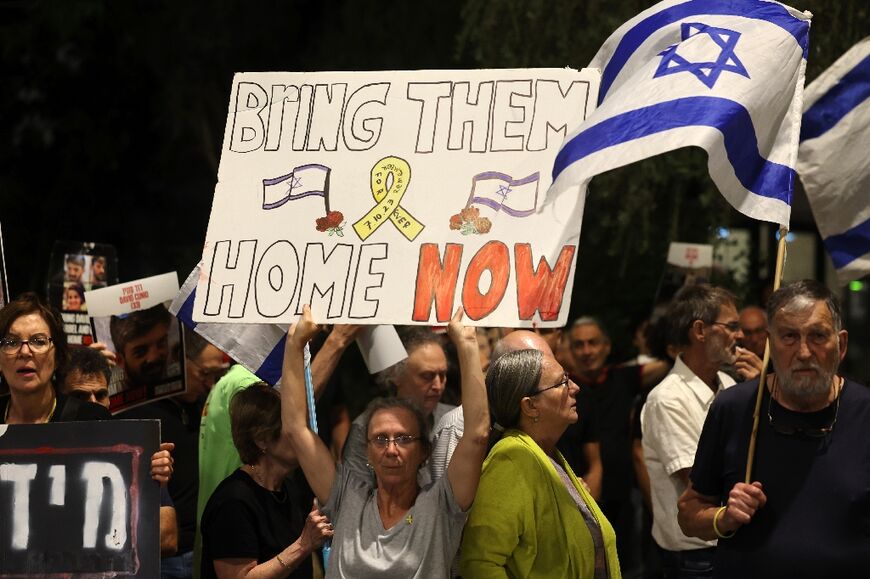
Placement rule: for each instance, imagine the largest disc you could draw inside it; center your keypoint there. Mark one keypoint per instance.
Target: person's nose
(392, 448)
(804, 352)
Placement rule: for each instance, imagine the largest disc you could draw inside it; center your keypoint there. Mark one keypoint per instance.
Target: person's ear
(696, 332)
(528, 407)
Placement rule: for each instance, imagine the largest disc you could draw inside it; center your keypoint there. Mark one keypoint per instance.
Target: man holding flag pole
(728, 77)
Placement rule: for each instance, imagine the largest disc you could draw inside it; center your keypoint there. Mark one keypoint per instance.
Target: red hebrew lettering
(495, 257)
(436, 280)
(542, 288)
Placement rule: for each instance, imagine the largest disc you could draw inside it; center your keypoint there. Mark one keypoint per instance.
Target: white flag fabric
(257, 347)
(834, 162)
(723, 75)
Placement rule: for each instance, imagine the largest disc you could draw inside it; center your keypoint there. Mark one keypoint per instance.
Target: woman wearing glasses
(33, 357)
(33, 354)
(391, 525)
(532, 517)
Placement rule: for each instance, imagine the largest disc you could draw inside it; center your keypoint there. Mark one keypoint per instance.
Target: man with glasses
(807, 511)
(703, 326)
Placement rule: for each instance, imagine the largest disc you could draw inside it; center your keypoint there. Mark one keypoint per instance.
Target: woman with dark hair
(532, 516)
(253, 513)
(387, 524)
(33, 354)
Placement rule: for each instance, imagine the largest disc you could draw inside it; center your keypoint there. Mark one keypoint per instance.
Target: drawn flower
(332, 223)
(470, 213)
(469, 222)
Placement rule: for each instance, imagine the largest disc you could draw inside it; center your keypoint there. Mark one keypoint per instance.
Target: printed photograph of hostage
(148, 349)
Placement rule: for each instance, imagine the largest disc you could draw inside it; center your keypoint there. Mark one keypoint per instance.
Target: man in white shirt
(704, 325)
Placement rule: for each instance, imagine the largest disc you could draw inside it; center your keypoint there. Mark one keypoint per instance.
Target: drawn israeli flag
(833, 160)
(501, 192)
(302, 181)
(723, 75)
(257, 347)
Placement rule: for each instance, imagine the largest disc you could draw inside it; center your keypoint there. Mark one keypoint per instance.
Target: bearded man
(807, 511)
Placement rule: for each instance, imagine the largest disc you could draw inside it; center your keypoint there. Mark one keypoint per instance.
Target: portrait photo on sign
(76, 267)
(133, 321)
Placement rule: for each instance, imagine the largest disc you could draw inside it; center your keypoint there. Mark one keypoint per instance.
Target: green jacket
(524, 523)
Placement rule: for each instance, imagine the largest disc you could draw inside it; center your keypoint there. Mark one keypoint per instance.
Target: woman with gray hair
(532, 517)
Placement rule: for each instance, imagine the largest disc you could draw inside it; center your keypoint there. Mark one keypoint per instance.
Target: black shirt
(242, 520)
(611, 399)
(179, 424)
(67, 410)
(816, 522)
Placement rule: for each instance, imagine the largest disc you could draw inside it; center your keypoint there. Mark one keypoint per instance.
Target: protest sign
(75, 268)
(394, 197)
(133, 320)
(687, 264)
(77, 500)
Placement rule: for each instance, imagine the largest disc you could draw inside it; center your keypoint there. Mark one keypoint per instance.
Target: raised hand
(459, 333)
(304, 329)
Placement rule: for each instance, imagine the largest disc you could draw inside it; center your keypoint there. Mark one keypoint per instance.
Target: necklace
(280, 495)
(43, 421)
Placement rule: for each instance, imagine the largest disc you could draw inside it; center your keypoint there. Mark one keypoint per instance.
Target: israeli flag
(834, 162)
(257, 347)
(724, 75)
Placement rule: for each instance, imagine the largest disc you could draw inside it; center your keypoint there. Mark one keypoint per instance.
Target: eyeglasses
(400, 441)
(730, 326)
(37, 344)
(808, 432)
(564, 382)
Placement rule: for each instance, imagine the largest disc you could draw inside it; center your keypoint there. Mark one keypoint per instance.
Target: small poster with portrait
(132, 319)
(76, 267)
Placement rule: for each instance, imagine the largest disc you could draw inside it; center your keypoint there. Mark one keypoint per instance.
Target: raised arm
(312, 453)
(463, 472)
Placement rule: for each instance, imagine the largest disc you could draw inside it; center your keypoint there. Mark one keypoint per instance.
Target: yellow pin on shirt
(410, 519)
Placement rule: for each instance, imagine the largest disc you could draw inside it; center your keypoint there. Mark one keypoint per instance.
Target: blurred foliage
(633, 213)
(113, 116)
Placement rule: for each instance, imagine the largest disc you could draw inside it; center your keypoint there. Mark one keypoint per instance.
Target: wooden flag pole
(762, 379)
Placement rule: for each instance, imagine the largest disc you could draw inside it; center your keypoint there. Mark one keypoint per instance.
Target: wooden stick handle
(762, 379)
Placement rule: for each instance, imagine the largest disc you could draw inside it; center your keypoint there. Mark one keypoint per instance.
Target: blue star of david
(295, 183)
(707, 72)
(503, 192)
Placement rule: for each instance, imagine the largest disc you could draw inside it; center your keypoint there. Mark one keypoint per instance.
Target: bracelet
(283, 564)
(716, 526)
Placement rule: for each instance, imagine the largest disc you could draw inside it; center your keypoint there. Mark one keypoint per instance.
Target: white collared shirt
(671, 422)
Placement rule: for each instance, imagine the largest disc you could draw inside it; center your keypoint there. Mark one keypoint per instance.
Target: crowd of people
(548, 460)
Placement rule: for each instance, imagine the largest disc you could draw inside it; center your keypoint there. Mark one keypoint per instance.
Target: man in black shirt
(807, 511)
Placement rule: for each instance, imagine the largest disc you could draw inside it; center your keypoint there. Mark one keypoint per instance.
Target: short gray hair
(695, 302)
(591, 321)
(801, 294)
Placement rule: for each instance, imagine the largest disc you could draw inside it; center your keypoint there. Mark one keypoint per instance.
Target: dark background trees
(113, 116)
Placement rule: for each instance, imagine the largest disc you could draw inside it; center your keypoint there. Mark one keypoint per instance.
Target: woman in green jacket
(532, 516)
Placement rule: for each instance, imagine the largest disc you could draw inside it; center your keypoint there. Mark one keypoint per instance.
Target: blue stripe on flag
(755, 173)
(848, 93)
(270, 370)
(849, 246)
(755, 9)
(185, 312)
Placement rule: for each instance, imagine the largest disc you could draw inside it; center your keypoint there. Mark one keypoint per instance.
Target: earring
(535, 419)
(370, 467)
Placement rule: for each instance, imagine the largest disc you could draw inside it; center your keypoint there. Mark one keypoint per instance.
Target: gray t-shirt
(421, 545)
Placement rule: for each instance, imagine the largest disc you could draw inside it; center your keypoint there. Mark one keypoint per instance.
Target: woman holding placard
(390, 525)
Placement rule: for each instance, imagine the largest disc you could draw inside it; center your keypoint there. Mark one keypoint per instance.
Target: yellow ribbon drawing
(387, 200)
